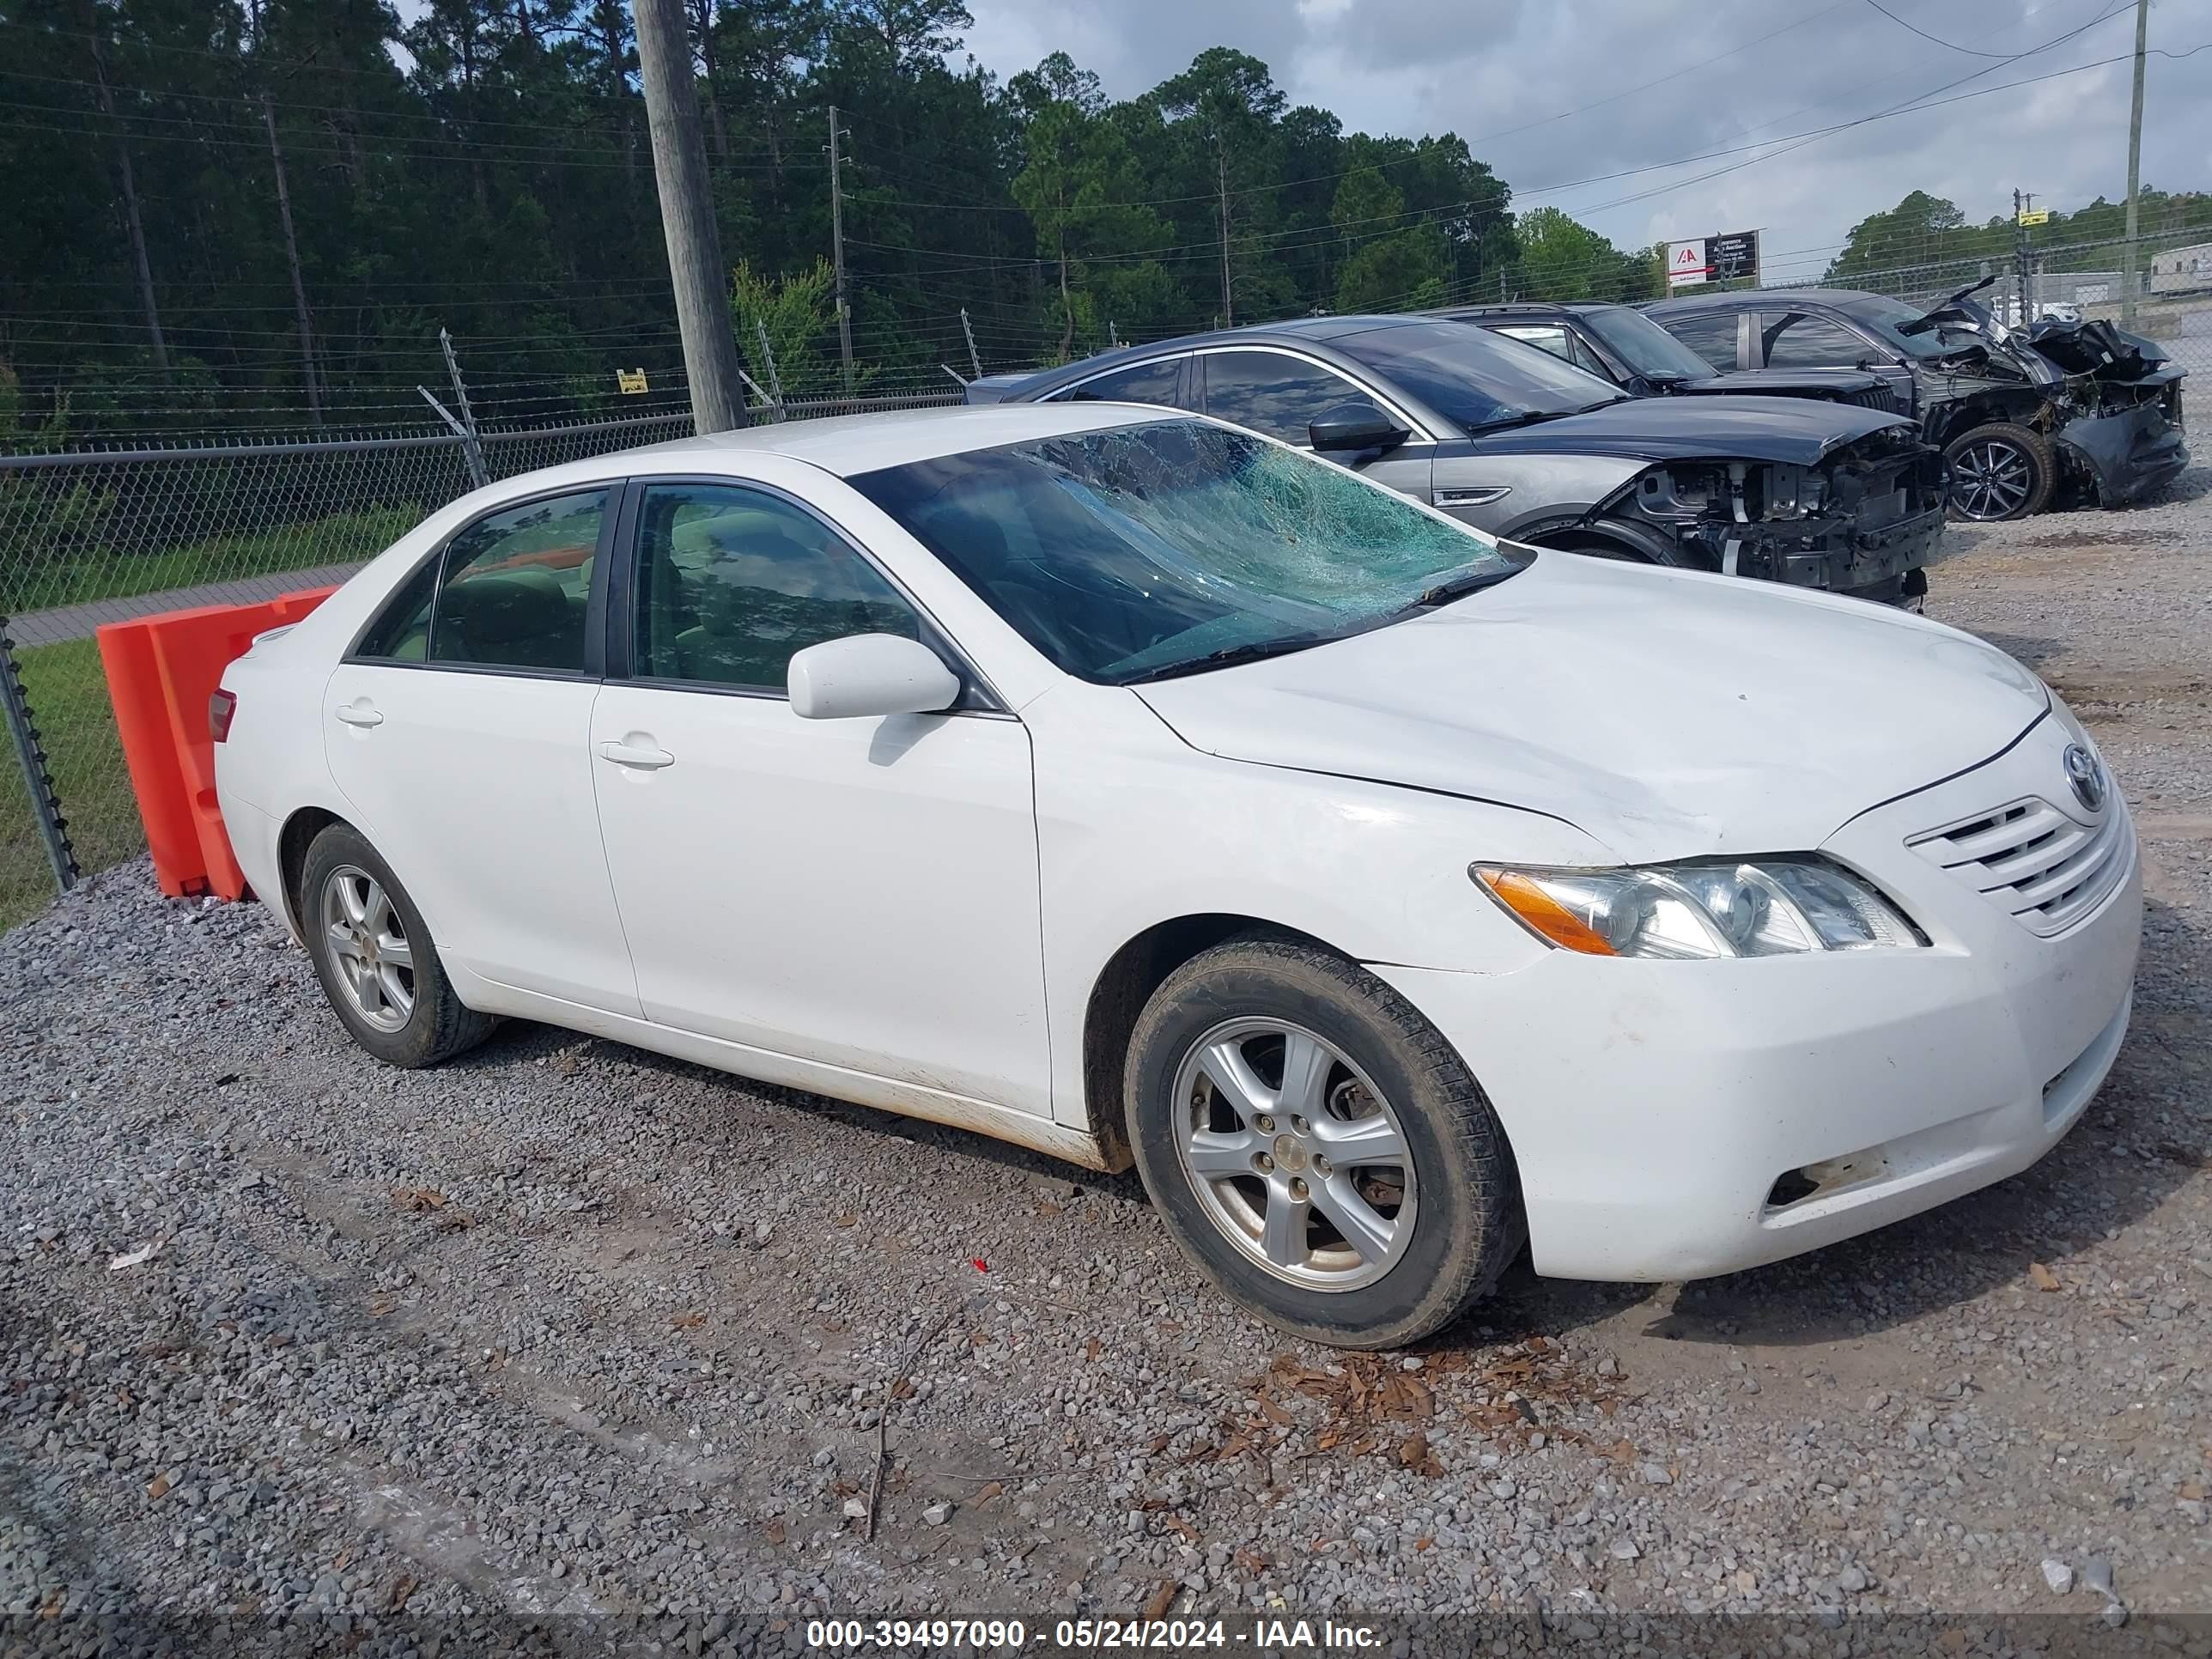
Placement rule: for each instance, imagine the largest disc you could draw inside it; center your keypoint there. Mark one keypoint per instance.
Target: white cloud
(1522, 82)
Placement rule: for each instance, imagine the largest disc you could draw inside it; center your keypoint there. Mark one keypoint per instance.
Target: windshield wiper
(1230, 655)
(1514, 417)
(1461, 583)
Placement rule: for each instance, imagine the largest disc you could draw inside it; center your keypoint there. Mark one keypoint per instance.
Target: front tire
(1318, 1147)
(375, 959)
(2000, 472)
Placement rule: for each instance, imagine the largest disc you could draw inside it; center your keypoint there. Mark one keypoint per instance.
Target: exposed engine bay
(2109, 400)
(1864, 520)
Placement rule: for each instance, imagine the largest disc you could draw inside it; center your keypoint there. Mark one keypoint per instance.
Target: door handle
(356, 715)
(642, 756)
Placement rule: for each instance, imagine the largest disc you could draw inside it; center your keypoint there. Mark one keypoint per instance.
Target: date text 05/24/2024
(1269, 1636)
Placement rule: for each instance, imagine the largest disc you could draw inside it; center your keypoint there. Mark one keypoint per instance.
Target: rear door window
(1157, 382)
(1798, 339)
(1544, 336)
(512, 590)
(1711, 334)
(1273, 392)
(516, 585)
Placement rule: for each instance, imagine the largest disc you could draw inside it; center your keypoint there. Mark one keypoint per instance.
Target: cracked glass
(1140, 551)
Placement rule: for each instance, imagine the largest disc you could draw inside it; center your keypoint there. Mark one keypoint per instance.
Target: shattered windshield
(1142, 551)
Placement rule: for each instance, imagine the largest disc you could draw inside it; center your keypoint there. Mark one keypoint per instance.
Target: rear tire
(1254, 1063)
(2000, 472)
(375, 958)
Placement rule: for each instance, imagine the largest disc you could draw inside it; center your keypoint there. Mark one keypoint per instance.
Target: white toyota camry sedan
(1138, 789)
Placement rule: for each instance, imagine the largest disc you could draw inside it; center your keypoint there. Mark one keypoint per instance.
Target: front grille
(2033, 860)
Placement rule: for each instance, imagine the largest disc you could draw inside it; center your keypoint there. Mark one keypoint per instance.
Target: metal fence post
(46, 806)
(975, 359)
(475, 450)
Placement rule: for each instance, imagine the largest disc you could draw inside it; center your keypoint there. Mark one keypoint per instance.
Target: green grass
(67, 690)
(104, 574)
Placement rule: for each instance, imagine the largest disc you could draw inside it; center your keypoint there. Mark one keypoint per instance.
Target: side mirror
(865, 674)
(1355, 426)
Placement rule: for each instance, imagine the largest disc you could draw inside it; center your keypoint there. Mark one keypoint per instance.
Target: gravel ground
(568, 1328)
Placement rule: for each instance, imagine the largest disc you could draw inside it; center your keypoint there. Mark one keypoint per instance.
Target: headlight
(1762, 907)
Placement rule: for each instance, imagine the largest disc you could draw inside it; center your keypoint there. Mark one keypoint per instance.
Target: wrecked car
(2063, 413)
(1627, 347)
(1516, 442)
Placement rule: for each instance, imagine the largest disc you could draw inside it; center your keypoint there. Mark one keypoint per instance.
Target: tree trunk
(132, 221)
(716, 124)
(1066, 302)
(292, 255)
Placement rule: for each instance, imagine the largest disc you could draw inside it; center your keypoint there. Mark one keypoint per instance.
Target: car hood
(1667, 715)
(1798, 431)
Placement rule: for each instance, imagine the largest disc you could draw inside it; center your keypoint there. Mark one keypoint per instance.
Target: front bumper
(2129, 454)
(1654, 1107)
(1847, 559)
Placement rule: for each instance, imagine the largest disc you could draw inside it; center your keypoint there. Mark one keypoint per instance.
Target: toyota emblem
(2086, 773)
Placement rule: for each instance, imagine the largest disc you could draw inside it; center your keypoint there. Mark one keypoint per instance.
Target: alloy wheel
(368, 947)
(1294, 1154)
(1990, 478)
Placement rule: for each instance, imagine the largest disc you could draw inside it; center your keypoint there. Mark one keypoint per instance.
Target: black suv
(1627, 347)
(2071, 411)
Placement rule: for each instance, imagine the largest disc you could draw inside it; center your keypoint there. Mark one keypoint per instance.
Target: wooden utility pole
(1221, 183)
(133, 223)
(687, 217)
(837, 253)
(292, 255)
(2135, 171)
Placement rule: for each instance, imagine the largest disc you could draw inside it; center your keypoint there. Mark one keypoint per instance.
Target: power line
(1934, 40)
(1912, 106)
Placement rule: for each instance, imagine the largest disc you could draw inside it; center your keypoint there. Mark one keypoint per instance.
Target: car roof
(850, 444)
(1295, 331)
(1510, 308)
(1737, 299)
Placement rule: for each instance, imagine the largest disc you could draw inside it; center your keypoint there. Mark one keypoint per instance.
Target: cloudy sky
(1556, 93)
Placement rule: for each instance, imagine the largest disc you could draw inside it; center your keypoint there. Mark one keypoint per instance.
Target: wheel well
(1124, 986)
(299, 833)
(1603, 537)
(2022, 408)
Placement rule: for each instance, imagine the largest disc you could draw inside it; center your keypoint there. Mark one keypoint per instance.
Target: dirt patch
(2068, 539)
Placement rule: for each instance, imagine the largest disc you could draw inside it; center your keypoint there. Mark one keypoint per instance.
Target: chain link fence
(98, 535)
(2172, 284)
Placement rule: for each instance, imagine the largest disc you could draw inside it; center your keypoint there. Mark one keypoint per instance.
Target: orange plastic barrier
(161, 670)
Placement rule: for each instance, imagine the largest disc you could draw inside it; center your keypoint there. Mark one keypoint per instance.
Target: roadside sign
(1726, 258)
(630, 381)
(1685, 262)
(1733, 255)
(2040, 217)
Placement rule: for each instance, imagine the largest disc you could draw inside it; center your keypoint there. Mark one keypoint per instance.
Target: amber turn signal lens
(1542, 914)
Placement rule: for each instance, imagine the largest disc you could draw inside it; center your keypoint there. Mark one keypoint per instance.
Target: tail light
(222, 705)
